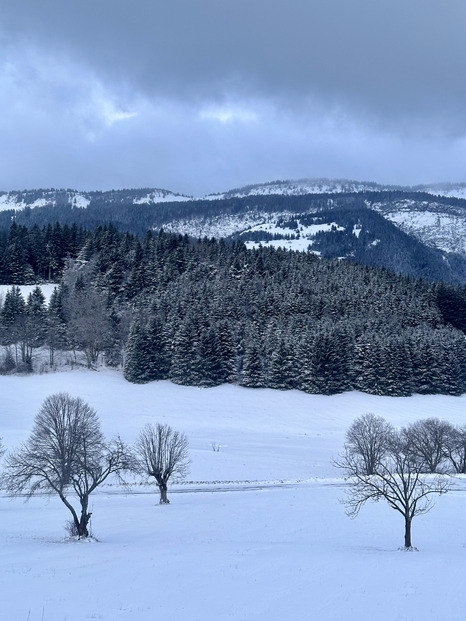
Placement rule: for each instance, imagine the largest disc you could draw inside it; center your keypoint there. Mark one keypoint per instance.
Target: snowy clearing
(274, 545)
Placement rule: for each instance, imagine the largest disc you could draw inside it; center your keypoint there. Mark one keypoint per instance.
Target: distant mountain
(18, 200)
(337, 186)
(305, 186)
(409, 230)
(438, 224)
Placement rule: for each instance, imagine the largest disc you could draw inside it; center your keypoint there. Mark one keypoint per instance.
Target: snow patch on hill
(80, 201)
(300, 238)
(221, 225)
(453, 190)
(432, 223)
(161, 196)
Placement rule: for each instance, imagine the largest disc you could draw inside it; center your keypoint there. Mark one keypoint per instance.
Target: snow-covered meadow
(257, 533)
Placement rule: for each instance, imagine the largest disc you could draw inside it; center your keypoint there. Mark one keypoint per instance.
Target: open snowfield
(258, 533)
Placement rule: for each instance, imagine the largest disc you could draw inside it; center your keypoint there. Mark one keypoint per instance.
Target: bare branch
(66, 450)
(163, 454)
(397, 476)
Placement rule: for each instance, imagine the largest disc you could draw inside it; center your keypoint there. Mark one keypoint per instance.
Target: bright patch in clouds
(112, 114)
(227, 113)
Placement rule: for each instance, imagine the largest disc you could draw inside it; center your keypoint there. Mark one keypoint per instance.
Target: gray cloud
(200, 96)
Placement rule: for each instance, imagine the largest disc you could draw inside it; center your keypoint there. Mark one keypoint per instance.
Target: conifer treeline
(30, 255)
(206, 312)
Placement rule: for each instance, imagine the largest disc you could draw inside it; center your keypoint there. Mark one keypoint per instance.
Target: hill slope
(437, 222)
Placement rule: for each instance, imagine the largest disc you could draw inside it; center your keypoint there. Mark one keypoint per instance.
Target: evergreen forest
(205, 312)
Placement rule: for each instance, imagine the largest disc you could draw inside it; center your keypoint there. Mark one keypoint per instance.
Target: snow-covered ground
(256, 534)
(444, 231)
(306, 234)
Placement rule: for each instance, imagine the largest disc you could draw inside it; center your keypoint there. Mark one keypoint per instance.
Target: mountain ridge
(19, 199)
(256, 215)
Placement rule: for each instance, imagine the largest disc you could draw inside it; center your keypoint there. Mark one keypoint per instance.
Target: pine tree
(252, 374)
(56, 333)
(184, 367)
(13, 319)
(36, 322)
(282, 368)
(210, 361)
(158, 356)
(135, 367)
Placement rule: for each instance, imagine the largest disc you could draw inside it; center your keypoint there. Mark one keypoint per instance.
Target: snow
(161, 196)
(9, 201)
(80, 201)
(306, 233)
(258, 535)
(301, 187)
(15, 200)
(444, 231)
(454, 190)
(221, 225)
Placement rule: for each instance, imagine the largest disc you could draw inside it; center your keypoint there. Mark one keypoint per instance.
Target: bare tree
(162, 453)
(66, 452)
(89, 327)
(455, 448)
(398, 479)
(427, 439)
(367, 440)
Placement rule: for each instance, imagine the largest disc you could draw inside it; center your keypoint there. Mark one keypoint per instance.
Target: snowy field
(257, 533)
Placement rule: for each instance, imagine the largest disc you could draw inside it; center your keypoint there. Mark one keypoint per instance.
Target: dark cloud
(200, 95)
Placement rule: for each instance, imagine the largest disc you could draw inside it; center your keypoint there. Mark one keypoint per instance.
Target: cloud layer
(207, 95)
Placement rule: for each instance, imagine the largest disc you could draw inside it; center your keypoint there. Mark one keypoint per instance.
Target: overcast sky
(200, 96)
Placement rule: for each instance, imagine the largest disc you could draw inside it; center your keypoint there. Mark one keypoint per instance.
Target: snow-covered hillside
(41, 198)
(258, 535)
(219, 225)
(455, 190)
(432, 223)
(435, 224)
(300, 187)
(54, 198)
(300, 239)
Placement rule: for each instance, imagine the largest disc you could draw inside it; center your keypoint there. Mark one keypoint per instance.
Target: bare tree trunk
(408, 532)
(163, 494)
(85, 517)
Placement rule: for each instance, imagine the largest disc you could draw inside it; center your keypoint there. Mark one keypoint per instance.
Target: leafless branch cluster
(389, 470)
(65, 452)
(438, 445)
(162, 453)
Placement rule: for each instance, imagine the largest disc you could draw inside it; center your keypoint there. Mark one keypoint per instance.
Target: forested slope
(206, 312)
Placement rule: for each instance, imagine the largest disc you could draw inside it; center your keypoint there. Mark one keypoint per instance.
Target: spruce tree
(135, 368)
(157, 353)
